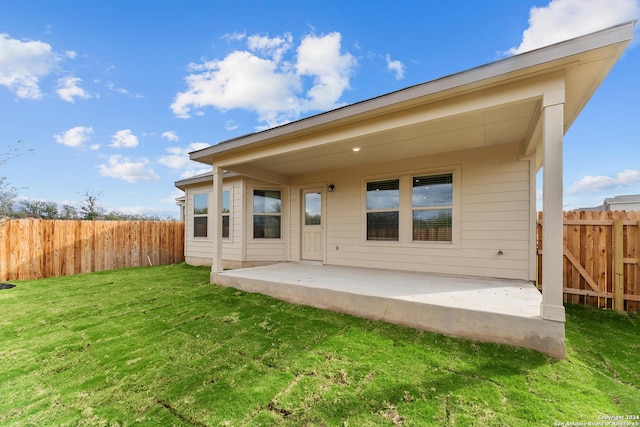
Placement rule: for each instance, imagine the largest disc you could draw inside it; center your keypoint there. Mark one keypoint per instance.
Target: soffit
(478, 129)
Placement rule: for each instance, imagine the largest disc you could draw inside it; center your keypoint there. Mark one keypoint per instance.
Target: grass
(161, 346)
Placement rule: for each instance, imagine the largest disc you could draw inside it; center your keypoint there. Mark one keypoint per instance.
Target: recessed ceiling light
(356, 149)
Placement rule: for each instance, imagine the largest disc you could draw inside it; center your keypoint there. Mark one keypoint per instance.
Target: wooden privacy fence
(36, 248)
(601, 258)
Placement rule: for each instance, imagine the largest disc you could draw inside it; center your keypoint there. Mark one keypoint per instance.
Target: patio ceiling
(477, 129)
(494, 104)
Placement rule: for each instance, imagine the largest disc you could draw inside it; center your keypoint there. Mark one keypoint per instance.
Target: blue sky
(112, 95)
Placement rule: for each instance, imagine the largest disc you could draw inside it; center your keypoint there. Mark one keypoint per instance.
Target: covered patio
(496, 310)
(351, 189)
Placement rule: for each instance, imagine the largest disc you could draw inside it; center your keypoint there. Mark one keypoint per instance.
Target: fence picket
(599, 255)
(35, 248)
(618, 266)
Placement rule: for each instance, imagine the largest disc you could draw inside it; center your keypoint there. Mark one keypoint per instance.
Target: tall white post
(552, 229)
(216, 217)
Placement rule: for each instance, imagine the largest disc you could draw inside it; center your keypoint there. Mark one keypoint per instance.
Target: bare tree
(7, 194)
(69, 212)
(10, 153)
(89, 205)
(40, 209)
(7, 191)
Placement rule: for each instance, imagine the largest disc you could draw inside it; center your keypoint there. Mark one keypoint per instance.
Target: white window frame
(201, 215)
(431, 208)
(228, 214)
(405, 238)
(383, 209)
(278, 214)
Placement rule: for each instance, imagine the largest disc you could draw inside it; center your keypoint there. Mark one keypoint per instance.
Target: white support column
(552, 230)
(216, 217)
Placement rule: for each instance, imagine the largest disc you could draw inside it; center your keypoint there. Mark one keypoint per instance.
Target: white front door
(312, 224)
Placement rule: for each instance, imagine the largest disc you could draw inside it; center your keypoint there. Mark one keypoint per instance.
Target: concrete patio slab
(493, 310)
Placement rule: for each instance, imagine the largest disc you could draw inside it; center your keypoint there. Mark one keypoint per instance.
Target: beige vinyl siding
(232, 247)
(496, 213)
(199, 250)
(265, 250)
(493, 213)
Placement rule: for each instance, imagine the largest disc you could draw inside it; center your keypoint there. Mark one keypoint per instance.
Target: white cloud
(235, 36)
(625, 178)
(320, 57)
(170, 135)
(171, 198)
(112, 87)
(273, 47)
(230, 125)
(124, 138)
(566, 19)
(71, 54)
(395, 67)
(196, 170)
(178, 158)
(131, 171)
(75, 137)
(260, 80)
(242, 80)
(68, 89)
(23, 64)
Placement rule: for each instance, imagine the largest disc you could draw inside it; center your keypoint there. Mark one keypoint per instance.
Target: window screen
(432, 200)
(383, 210)
(200, 217)
(267, 207)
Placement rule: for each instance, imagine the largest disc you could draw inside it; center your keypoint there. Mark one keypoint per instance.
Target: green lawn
(161, 346)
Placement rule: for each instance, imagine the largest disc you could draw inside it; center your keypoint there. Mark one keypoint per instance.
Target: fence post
(618, 265)
(637, 286)
(4, 225)
(539, 249)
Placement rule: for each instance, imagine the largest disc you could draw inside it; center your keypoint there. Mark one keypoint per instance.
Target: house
(629, 202)
(181, 202)
(435, 178)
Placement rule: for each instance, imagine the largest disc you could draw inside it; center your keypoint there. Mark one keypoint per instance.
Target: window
(413, 208)
(383, 210)
(312, 209)
(226, 214)
(432, 207)
(267, 213)
(200, 215)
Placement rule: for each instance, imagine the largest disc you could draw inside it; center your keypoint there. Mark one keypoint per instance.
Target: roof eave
(183, 183)
(452, 83)
(199, 179)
